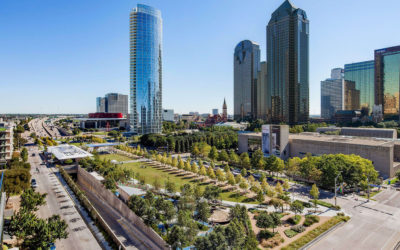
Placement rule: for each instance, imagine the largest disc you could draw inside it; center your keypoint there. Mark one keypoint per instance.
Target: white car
(33, 183)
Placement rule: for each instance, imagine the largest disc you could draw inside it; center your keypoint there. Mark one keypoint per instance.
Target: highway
(42, 129)
(58, 202)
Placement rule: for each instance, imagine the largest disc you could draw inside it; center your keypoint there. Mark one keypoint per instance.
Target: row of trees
(221, 139)
(33, 232)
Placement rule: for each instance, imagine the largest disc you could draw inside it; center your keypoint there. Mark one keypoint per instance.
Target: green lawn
(116, 157)
(100, 133)
(152, 173)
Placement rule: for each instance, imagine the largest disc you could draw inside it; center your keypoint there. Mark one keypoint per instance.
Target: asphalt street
(373, 224)
(58, 202)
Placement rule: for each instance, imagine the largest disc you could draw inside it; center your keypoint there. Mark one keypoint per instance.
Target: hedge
(326, 204)
(290, 233)
(308, 237)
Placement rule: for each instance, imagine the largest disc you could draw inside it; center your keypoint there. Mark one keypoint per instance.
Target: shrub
(265, 234)
(290, 233)
(307, 204)
(299, 243)
(310, 219)
(298, 228)
(275, 241)
(340, 214)
(294, 220)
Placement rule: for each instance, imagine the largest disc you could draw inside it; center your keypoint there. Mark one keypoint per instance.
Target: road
(58, 202)
(373, 224)
(38, 126)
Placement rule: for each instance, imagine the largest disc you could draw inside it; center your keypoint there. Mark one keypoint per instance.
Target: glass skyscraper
(387, 80)
(145, 70)
(246, 64)
(362, 73)
(332, 90)
(288, 64)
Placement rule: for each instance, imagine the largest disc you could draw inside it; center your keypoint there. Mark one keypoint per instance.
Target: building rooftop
(66, 151)
(382, 142)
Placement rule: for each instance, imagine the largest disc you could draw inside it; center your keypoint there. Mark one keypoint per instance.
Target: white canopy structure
(65, 152)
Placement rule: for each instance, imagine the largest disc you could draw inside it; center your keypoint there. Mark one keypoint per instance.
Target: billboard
(271, 140)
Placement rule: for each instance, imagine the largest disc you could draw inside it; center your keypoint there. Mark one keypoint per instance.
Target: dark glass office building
(387, 80)
(288, 64)
(145, 70)
(246, 64)
(362, 73)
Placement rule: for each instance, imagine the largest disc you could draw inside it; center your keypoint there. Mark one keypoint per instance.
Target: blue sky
(57, 56)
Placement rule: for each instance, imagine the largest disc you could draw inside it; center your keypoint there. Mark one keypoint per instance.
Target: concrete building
(288, 64)
(362, 73)
(383, 152)
(6, 141)
(145, 70)
(246, 64)
(101, 105)
(168, 115)
(351, 96)
(112, 103)
(387, 81)
(263, 97)
(214, 112)
(332, 94)
(362, 132)
(224, 111)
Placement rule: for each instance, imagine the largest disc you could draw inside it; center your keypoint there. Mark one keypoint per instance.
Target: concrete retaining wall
(90, 184)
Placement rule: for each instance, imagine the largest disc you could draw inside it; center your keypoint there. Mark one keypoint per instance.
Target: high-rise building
(168, 115)
(215, 111)
(6, 141)
(288, 64)
(101, 105)
(263, 97)
(332, 94)
(145, 70)
(224, 111)
(351, 96)
(362, 73)
(246, 66)
(112, 103)
(387, 80)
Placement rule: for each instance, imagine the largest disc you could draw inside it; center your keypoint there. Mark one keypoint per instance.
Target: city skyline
(78, 82)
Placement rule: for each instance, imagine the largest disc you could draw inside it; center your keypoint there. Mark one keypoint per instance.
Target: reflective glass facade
(362, 73)
(332, 91)
(387, 80)
(145, 70)
(288, 64)
(245, 67)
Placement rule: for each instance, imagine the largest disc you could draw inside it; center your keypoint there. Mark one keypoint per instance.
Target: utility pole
(337, 176)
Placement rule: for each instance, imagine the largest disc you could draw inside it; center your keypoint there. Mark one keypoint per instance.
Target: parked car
(33, 183)
(33, 154)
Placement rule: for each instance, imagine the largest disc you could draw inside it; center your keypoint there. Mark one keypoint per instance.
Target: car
(33, 183)
(33, 154)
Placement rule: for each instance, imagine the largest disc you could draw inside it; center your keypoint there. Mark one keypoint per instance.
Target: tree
(30, 200)
(264, 220)
(276, 203)
(286, 185)
(274, 164)
(314, 192)
(243, 172)
(181, 164)
(238, 178)
(276, 221)
(177, 237)
(138, 205)
(220, 175)
(210, 172)
(174, 162)
(203, 171)
(278, 188)
(194, 168)
(24, 154)
(296, 207)
(245, 160)
(230, 178)
(197, 193)
(213, 155)
(260, 196)
(223, 156)
(170, 186)
(233, 158)
(203, 211)
(195, 151)
(398, 175)
(257, 158)
(292, 167)
(243, 184)
(188, 167)
(212, 192)
(234, 234)
(228, 169)
(156, 184)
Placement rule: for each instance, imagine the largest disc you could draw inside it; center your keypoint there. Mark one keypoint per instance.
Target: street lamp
(335, 185)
